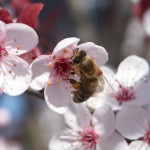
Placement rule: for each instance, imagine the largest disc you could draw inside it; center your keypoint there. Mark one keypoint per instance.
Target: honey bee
(91, 76)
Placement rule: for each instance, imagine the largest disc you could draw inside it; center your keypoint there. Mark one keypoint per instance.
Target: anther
(10, 71)
(65, 50)
(18, 47)
(50, 64)
(57, 80)
(49, 83)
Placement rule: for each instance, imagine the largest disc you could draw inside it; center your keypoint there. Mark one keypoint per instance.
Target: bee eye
(76, 60)
(83, 53)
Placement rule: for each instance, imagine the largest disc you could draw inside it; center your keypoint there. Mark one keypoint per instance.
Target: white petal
(110, 100)
(71, 120)
(103, 121)
(114, 142)
(98, 53)
(139, 145)
(146, 21)
(83, 115)
(40, 71)
(70, 43)
(58, 144)
(132, 122)
(57, 95)
(132, 71)
(108, 73)
(141, 96)
(20, 38)
(148, 111)
(2, 30)
(16, 75)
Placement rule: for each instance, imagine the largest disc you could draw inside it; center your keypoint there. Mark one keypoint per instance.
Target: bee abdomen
(86, 90)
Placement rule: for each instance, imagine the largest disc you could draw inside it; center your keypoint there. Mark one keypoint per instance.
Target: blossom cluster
(114, 118)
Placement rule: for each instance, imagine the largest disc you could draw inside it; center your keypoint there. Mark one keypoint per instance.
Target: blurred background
(121, 26)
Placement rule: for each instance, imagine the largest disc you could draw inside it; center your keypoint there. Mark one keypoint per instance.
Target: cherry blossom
(49, 71)
(133, 123)
(85, 131)
(15, 73)
(130, 84)
(146, 21)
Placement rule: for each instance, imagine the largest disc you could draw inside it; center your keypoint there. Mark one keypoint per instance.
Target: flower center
(62, 67)
(89, 137)
(147, 137)
(124, 94)
(3, 52)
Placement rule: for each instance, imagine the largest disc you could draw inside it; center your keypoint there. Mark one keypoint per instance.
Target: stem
(38, 94)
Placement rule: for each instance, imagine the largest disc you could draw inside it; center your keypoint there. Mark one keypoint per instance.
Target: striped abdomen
(86, 90)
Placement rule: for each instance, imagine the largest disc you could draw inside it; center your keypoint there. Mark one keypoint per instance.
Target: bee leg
(74, 83)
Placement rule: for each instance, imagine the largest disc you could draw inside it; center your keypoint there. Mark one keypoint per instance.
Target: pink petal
(103, 121)
(71, 120)
(105, 99)
(98, 53)
(69, 43)
(132, 71)
(29, 14)
(57, 95)
(148, 112)
(57, 144)
(146, 21)
(114, 142)
(139, 145)
(83, 114)
(20, 38)
(5, 16)
(41, 72)
(132, 122)
(141, 96)
(16, 75)
(2, 30)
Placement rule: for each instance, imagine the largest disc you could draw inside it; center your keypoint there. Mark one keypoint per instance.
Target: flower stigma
(124, 94)
(89, 137)
(3, 51)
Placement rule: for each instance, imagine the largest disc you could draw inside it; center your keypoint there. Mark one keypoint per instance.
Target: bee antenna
(75, 50)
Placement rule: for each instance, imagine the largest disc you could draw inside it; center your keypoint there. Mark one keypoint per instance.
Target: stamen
(57, 80)
(50, 64)
(10, 71)
(124, 94)
(14, 40)
(65, 50)
(18, 47)
(49, 83)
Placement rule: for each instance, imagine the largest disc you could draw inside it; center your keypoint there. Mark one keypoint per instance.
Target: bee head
(79, 56)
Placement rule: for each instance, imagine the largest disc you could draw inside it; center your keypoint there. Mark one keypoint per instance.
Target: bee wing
(104, 88)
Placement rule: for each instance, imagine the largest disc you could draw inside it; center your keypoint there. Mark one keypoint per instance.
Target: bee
(91, 77)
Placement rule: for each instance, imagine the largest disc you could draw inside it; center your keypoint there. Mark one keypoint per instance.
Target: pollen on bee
(65, 50)
(49, 83)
